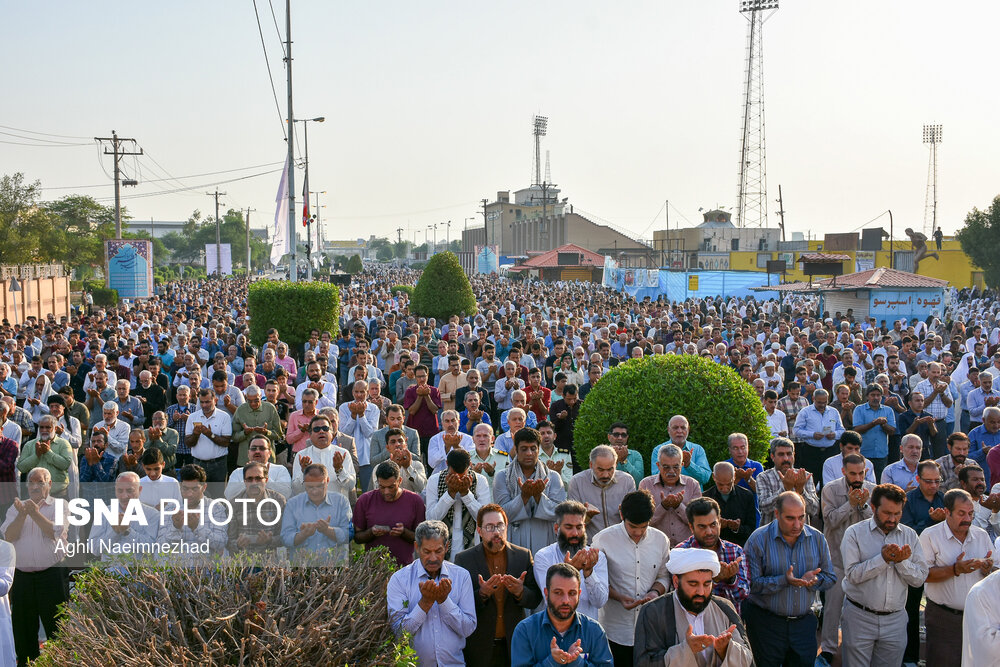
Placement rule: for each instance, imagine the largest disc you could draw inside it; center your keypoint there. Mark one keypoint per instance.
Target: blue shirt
(980, 438)
(977, 403)
(698, 468)
(530, 421)
(769, 555)
(437, 635)
(531, 645)
(874, 441)
(810, 421)
(897, 473)
(463, 420)
(300, 510)
(750, 464)
(915, 511)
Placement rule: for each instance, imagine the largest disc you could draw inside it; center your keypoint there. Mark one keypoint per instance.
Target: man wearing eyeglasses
(924, 507)
(255, 527)
(322, 450)
(503, 582)
(278, 480)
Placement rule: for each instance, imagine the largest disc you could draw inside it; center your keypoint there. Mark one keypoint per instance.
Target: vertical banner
(610, 278)
(128, 266)
(279, 232)
(864, 260)
(211, 257)
(487, 259)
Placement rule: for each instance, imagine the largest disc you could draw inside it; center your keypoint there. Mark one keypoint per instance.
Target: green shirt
(633, 466)
(57, 461)
(244, 417)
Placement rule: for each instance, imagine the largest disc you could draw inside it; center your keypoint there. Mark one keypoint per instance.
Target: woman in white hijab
(36, 397)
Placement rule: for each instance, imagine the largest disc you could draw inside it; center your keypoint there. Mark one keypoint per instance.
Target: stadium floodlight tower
(540, 125)
(751, 201)
(932, 137)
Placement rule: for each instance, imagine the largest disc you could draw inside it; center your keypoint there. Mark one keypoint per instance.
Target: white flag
(279, 244)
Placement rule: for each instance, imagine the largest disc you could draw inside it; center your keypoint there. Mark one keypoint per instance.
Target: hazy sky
(429, 104)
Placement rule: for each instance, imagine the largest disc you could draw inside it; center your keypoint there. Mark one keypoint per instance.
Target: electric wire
(267, 61)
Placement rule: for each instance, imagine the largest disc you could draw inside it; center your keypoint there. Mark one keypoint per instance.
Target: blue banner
(893, 305)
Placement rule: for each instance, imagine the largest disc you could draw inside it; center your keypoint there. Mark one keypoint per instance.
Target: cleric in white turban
(690, 627)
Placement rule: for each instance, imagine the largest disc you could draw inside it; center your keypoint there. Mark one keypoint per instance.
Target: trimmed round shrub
(645, 393)
(105, 296)
(408, 289)
(294, 309)
(443, 289)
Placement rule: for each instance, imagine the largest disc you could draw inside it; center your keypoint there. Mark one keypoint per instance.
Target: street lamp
(320, 236)
(306, 219)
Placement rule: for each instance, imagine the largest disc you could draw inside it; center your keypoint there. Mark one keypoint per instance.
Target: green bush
(403, 288)
(241, 611)
(104, 296)
(354, 265)
(645, 393)
(443, 289)
(294, 309)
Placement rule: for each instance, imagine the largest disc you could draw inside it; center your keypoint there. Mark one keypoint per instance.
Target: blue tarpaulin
(681, 285)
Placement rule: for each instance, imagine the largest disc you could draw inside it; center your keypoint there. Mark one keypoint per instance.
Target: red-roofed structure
(567, 262)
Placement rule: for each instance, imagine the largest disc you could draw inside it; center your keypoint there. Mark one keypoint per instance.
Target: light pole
(435, 238)
(319, 220)
(306, 219)
(447, 236)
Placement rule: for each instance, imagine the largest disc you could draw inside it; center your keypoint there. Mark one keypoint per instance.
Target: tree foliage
(980, 239)
(294, 309)
(645, 393)
(443, 289)
(354, 265)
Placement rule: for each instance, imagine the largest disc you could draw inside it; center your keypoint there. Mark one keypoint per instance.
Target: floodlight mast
(751, 201)
(932, 136)
(540, 125)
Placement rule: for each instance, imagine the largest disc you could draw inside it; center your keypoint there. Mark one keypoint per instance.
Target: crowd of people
(450, 444)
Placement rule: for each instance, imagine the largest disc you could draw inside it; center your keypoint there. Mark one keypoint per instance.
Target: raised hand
(698, 643)
(805, 581)
(728, 570)
(338, 461)
(787, 478)
(591, 512)
(857, 497)
(428, 593)
(565, 657)
(671, 500)
(514, 585)
(890, 552)
(963, 566)
(986, 564)
(937, 513)
(991, 502)
(555, 466)
(444, 588)
(685, 458)
(491, 585)
(304, 462)
(721, 643)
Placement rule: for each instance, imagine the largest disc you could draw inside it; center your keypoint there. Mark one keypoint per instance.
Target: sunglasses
(320, 429)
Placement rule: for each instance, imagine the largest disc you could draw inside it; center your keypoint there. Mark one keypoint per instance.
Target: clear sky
(429, 104)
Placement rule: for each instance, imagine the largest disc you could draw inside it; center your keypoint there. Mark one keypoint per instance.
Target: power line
(208, 173)
(277, 30)
(41, 140)
(267, 61)
(398, 215)
(193, 187)
(46, 134)
(18, 143)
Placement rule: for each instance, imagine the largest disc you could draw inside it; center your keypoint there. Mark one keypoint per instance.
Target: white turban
(683, 561)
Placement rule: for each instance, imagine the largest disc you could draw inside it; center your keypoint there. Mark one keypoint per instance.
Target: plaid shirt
(255, 512)
(22, 418)
(739, 589)
(937, 408)
(180, 425)
(792, 408)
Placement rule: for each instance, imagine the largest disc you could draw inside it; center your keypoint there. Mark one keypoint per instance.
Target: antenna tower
(932, 137)
(751, 200)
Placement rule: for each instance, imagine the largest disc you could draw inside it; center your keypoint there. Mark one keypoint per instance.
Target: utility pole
(218, 231)
(447, 236)
(486, 225)
(781, 212)
(293, 274)
(116, 150)
(249, 256)
(399, 234)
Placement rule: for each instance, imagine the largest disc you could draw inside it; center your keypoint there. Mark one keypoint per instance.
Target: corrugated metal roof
(823, 257)
(550, 259)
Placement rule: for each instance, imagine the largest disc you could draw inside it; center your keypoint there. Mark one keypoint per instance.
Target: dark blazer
(514, 611)
(742, 505)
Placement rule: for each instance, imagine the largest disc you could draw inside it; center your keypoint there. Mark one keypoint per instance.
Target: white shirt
(632, 571)
(327, 397)
(833, 468)
(981, 624)
(778, 423)
(343, 482)
(13, 431)
(278, 480)
(153, 492)
(593, 593)
(436, 457)
(7, 559)
(942, 547)
(221, 423)
(89, 384)
(361, 429)
(437, 508)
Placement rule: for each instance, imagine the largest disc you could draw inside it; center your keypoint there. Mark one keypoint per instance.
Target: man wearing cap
(689, 626)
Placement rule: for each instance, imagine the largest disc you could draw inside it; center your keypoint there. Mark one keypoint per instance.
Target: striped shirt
(769, 555)
(180, 425)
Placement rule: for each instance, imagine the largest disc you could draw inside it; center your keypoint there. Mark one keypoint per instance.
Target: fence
(44, 291)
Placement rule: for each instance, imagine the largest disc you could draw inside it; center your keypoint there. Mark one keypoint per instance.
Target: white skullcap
(683, 561)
